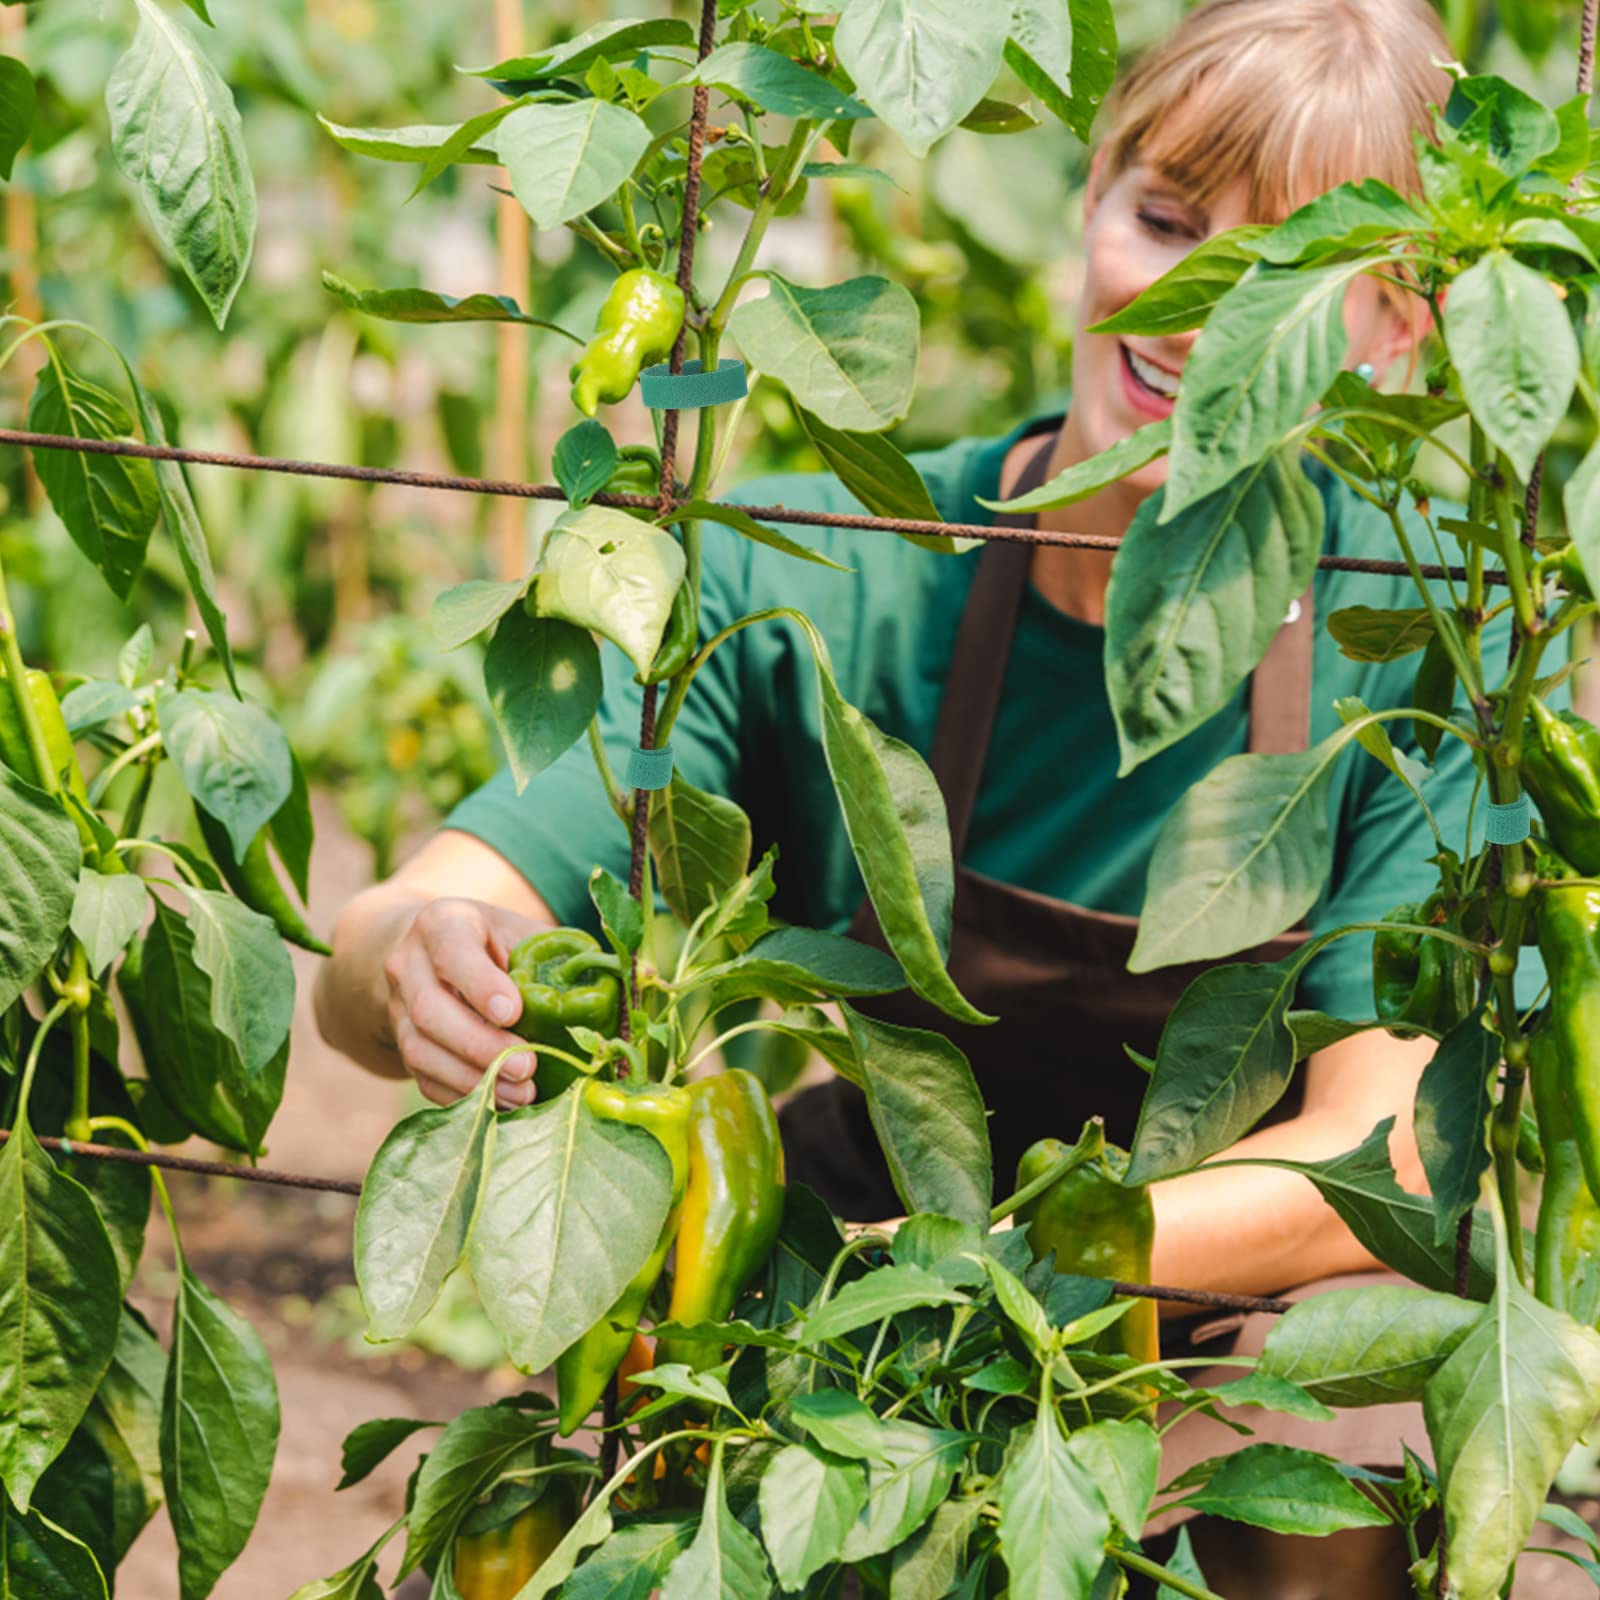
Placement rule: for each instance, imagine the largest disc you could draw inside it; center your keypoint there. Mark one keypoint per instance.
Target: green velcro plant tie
(650, 769)
(1509, 824)
(662, 389)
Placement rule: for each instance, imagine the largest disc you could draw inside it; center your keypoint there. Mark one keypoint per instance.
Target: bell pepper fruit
(638, 325)
(256, 882)
(566, 981)
(17, 753)
(1561, 770)
(732, 1207)
(1098, 1227)
(1569, 940)
(494, 1563)
(1418, 982)
(584, 1369)
(1566, 1253)
(638, 471)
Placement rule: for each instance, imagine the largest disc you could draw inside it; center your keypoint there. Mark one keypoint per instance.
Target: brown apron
(1056, 976)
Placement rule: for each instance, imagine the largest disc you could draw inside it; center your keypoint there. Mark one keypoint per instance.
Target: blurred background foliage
(326, 584)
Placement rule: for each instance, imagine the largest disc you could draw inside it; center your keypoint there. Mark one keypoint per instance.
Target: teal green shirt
(1051, 814)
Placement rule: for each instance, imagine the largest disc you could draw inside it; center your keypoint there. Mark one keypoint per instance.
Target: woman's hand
(451, 1000)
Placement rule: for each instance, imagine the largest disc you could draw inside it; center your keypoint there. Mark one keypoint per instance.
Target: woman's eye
(1163, 226)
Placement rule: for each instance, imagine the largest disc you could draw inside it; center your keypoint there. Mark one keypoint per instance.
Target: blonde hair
(1294, 96)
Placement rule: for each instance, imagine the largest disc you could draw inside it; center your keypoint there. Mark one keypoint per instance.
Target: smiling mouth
(1160, 382)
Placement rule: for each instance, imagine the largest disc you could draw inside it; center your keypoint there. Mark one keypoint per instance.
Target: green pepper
(256, 883)
(1418, 982)
(1098, 1227)
(584, 1369)
(17, 753)
(680, 640)
(494, 1562)
(638, 325)
(566, 981)
(1569, 941)
(1566, 1253)
(732, 1206)
(1561, 770)
(638, 471)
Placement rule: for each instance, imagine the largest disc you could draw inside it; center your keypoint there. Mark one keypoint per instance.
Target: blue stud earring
(1365, 372)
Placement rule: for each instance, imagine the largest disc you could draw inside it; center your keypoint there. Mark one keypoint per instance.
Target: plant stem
(1163, 1575)
(136, 751)
(1470, 678)
(35, 1050)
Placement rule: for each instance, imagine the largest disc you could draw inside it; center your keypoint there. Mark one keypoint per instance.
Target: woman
(1251, 108)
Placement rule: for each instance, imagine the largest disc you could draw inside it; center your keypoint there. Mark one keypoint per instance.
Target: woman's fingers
(465, 953)
(444, 1078)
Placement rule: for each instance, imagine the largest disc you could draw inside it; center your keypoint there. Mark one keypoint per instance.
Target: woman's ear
(1091, 195)
(1403, 325)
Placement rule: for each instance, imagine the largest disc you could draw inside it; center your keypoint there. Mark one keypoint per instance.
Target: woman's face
(1137, 227)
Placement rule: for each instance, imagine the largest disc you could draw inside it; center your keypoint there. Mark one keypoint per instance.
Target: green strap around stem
(662, 389)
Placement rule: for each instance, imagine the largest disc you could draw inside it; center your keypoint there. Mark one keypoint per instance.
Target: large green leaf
(544, 682)
(1502, 1414)
(176, 135)
(219, 1433)
(908, 1478)
(1267, 352)
(757, 532)
(1285, 1490)
(606, 41)
(884, 1293)
(1580, 498)
(1065, 54)
(232, 757)
(1242, 856)
(1454, 1098)
(847, 352)
(424, 305)
(107, 503)
(414, 145)
(606, 570)
(1367, 1347)
(725, 1560)
(1195, 603)
(1350, 217)
(1054, 1522)
(929, 1117)
(1514, 352)
(929, 1564)
(1183, 297)
(17, 97)
(1366, 634)
(922, 65)
(252, 978)
(107, 911)
(1226, 1056)
(125, 1417)
(701, 845)
(565, 159)
(632, 1562)
(775, 83)
(418, 1203)
(809, 1502)
(40, 1560)
(467, 609)
(59, 1308)
(572, 1208)
(1085, 478)
(794, 965)
(1123, 1460)
(40, 856)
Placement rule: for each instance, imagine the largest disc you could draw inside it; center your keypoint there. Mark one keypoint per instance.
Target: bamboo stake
(509, 444)
(22, 255)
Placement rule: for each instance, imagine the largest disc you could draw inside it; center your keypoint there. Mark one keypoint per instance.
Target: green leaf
(40, 857)
(1054, 1522)
(1270, 349)
(1514, 353)
(928, 1115)
(583, 461)
(993, 117)
(1182, 298)
(757, 532)
(1435, 691)
(883, 1293)
(620, 914)
(414, 145)
(219, 1433)
(1194, 604)
(607, 41)
(928, 1565)
(1367, 1347)
(1316, 1030)
(725, 1561)
(606, 570)
(369, 1444)
(841, 1423)
(846, 352)
(358, 1581)
(464, 611)
(1502, 1413)
(883, 480)
(572, 1208)
(1021, 1308)
(701, 846)
(474, 134)
(1454, 1098)
(1181, 1564)
(418, 1203)
(424, 305)
(17, 97)
(125, 1417)
(544, 683)
(1508, 125)
(107, 503)
(1066, 55)
(1351, 217)
(632, 1562)
(1374, 738)
(922, 65)
(95, 703)
(41, 1561)
(1271, 1394)
(1123, 1460)
(796, 965)
(1580, 499)
(59, 1308)
(252, 978)
(1286, 1490)
(773, 82)
(1242, 856)
(1128, 454)
(1365, 634)
(566, 159)
(809, 1502)
(908, 1477)
(177, 137)
(106, 913)
(232, 757)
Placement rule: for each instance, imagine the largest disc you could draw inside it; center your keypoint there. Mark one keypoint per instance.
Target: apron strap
(1280, 688)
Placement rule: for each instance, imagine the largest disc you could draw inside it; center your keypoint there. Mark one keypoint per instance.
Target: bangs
(1291, 98)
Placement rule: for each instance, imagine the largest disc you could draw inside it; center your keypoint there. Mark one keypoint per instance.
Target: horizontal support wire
(638, 502)
(296, 1180)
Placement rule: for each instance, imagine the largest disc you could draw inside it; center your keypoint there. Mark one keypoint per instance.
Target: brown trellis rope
(637, 502)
